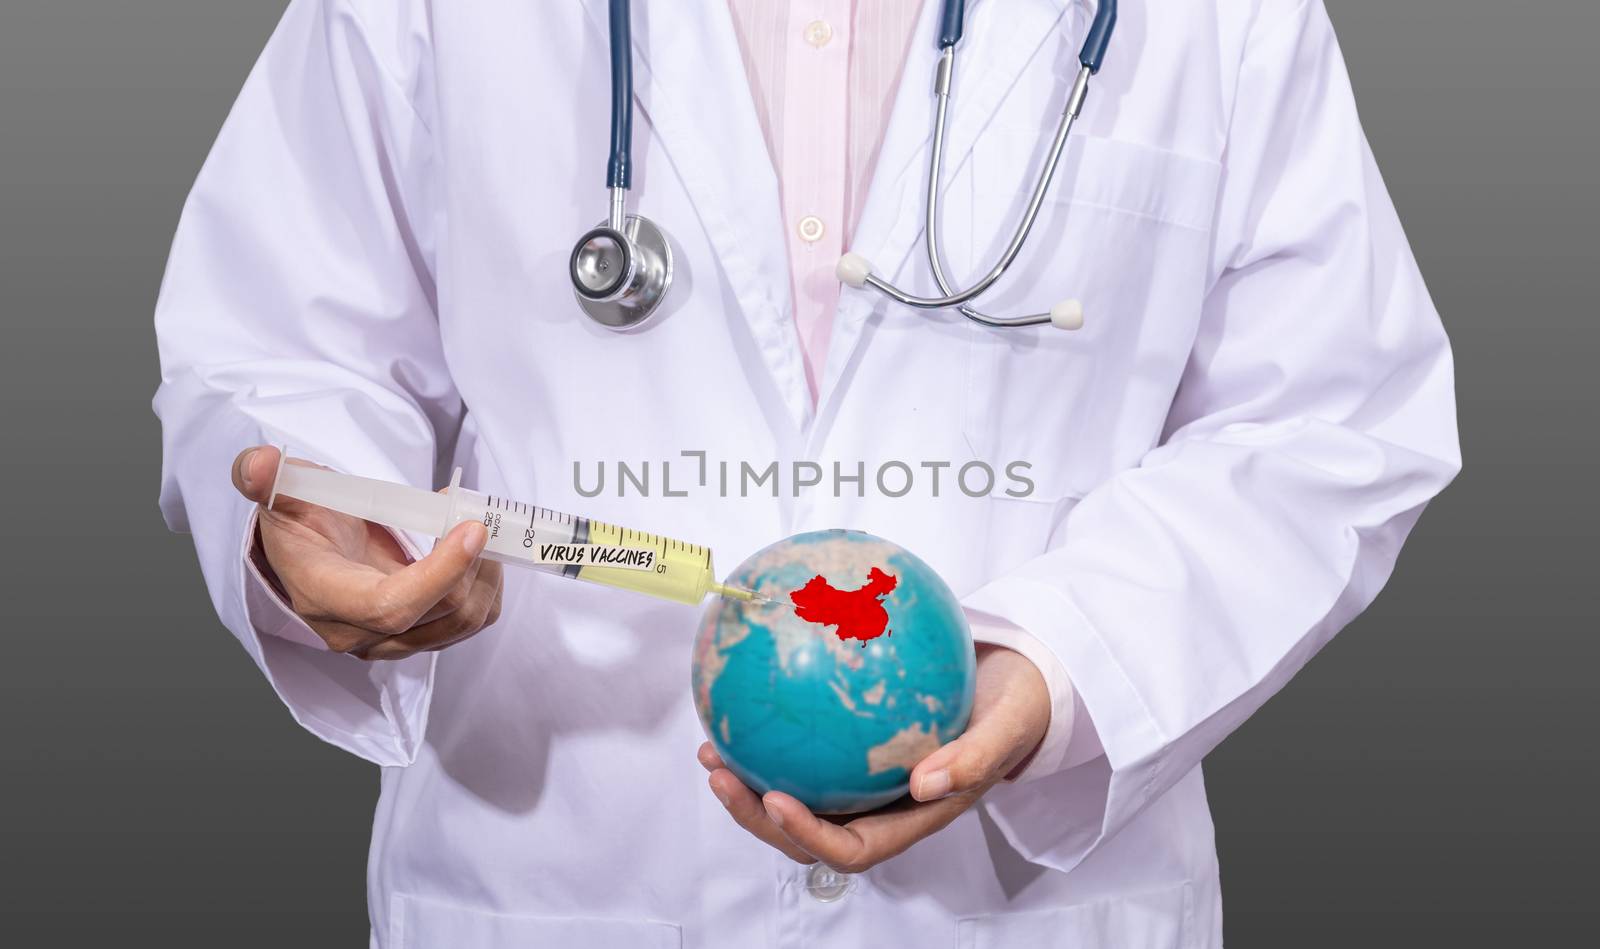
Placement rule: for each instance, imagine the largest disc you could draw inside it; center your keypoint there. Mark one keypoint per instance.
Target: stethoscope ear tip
(853, 270)
(1067, 315)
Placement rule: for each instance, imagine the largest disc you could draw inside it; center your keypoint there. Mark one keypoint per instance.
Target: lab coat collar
(692, 93)
(1001, 39)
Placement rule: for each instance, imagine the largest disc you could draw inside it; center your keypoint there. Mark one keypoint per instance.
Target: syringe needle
(741, 594)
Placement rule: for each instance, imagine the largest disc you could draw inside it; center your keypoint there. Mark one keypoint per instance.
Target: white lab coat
(372, 268)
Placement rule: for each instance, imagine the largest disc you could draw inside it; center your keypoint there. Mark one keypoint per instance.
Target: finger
(255, 473)
(457, 597)
(746, 810)
(429, 637)
(1009, 718)
(345, 638)
(253, 469)
(708, 757)
(446, 631)
(972, 762)
(491, 578)
(400, 599)
(865, 842)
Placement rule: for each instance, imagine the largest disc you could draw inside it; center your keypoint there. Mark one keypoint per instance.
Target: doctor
(1224, 460)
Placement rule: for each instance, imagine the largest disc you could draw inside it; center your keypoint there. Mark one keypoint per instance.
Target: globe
(857, 665)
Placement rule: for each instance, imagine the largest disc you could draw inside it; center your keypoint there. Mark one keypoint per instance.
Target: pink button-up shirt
(824, 74)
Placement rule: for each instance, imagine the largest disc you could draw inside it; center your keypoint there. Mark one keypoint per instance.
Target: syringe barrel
(525, 534)
(521, 534)
(383, 502)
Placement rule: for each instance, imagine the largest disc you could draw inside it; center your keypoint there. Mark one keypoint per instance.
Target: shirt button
(810, 228)
(825, 884)
(818, 33)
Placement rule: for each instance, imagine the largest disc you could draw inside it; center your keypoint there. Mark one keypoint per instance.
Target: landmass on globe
(856, 614)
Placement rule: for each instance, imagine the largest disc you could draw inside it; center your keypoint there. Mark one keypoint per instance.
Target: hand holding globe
(851, 684)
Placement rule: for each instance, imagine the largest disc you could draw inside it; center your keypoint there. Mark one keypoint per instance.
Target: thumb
(993, 741)
(403, 596)
(253, 470)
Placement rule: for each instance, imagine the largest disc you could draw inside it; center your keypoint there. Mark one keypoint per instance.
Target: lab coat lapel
(1001, 39)
(691, 92)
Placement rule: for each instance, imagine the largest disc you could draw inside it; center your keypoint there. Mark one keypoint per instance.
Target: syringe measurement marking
(542, 518)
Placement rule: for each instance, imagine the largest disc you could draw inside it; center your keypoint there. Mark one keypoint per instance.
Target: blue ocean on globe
(792, 706)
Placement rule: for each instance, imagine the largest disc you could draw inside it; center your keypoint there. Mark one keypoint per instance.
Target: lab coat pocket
(1125, 231)
(1160, 919)
(417, 923)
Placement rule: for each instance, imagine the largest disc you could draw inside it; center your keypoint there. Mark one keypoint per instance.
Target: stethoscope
(622, 269)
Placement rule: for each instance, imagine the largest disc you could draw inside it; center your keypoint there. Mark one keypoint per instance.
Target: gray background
(1431, 776)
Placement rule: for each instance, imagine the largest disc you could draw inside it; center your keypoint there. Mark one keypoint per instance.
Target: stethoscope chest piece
(621, 276)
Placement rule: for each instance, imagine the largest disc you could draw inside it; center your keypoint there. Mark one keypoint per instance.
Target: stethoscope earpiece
(1067, 315)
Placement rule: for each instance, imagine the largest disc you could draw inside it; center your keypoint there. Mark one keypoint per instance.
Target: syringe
(519, 533)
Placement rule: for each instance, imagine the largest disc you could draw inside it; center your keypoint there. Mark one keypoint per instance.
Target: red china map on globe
(858, 614)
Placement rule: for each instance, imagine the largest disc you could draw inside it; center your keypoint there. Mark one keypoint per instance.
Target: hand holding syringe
(357, 590)
(521, 534)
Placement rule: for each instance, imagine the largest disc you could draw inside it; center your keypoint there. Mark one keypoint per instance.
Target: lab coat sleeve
(1313, 422)
(298, 307)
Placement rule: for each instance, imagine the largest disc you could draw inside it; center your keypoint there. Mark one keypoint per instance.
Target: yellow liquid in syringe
(682, 572)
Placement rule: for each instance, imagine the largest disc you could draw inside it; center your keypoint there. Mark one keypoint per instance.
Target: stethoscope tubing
(1090, 57)
(613, 244)
(1035, 201)
(618, 166)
